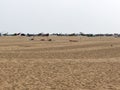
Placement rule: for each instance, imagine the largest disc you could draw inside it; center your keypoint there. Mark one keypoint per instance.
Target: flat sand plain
(92, 63)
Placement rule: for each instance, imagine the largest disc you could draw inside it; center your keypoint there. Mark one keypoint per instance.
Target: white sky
(60, 16)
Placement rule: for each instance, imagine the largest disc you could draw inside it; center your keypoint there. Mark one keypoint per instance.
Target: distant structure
(42, 34)
(116, 35)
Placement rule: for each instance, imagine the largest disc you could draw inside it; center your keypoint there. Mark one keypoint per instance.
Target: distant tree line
(59, 34)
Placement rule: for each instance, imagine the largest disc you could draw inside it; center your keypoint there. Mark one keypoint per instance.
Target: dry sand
(89, 64)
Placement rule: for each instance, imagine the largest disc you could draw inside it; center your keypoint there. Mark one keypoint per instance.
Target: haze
(60, 16)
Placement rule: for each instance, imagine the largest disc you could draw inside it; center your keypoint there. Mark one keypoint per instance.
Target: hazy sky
(60, 16)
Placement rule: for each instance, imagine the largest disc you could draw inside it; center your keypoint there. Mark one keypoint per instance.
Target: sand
(91, 63)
